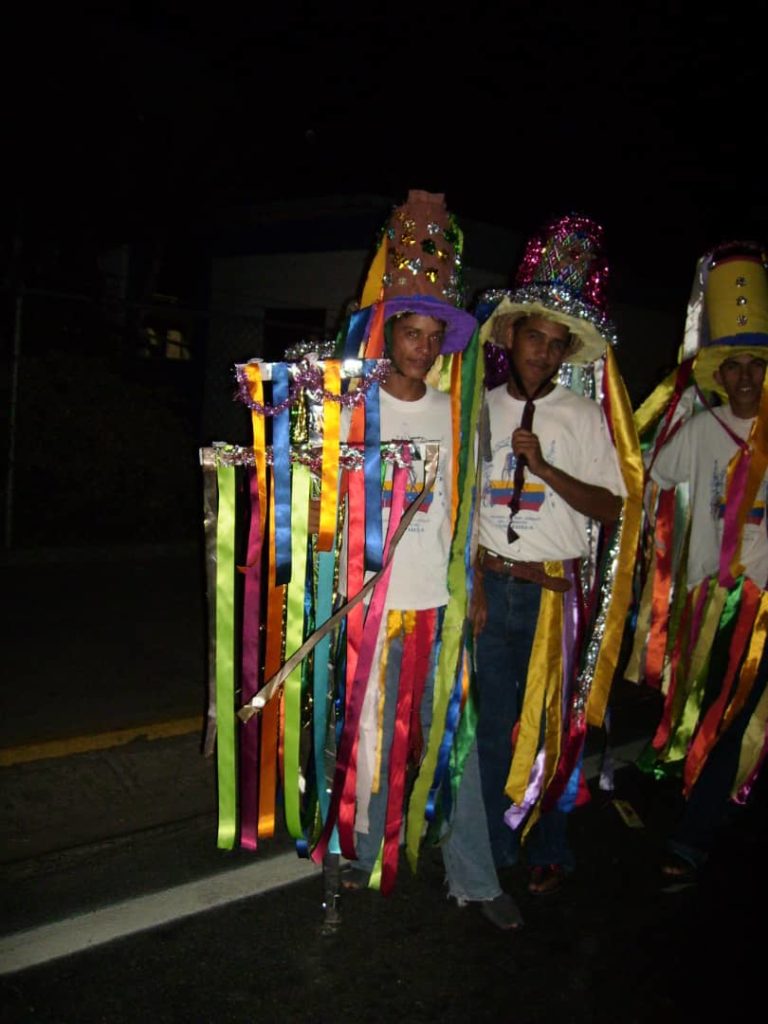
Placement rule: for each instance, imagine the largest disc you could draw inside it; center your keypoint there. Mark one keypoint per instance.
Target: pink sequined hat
(562, 277)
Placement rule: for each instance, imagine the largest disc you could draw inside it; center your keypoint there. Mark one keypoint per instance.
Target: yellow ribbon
(655, 403)
(754, 736)
(691, 683)
(543, 688)
(631, 463)
(330, 469)
(373, 287)
(751, 663)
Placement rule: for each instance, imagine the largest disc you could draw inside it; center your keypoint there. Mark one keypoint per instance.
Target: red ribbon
(414, 668)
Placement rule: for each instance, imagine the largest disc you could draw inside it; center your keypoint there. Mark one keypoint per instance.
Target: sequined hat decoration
(418, 267)
(562, 277)
(728, 310)
(424, 248)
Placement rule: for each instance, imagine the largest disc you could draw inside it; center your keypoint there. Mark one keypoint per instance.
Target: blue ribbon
(281, 474)
(452, 718)
(358, 325)
(567, 799)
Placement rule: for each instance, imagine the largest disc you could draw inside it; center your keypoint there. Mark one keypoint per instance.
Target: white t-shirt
(699, 453)
(419, 576)
(574, 438)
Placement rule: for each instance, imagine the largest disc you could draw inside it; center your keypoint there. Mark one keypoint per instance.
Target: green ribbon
(455, 613)
(225, 658)
(320, 676)
(725, 612)
(294, 637)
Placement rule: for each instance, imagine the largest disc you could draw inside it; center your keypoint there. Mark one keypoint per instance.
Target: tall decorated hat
(562, 277)
(418, 268)
(728, 309)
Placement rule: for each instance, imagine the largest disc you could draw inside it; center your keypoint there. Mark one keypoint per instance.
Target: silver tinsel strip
(586, 676)
(350, 456)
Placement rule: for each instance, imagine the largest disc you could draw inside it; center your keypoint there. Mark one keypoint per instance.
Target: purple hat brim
(459, 325)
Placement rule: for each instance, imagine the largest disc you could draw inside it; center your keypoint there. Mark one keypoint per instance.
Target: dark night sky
(148, 115)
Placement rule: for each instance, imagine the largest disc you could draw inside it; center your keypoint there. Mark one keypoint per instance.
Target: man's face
(416, 344)
(741, 377)
(537, 347)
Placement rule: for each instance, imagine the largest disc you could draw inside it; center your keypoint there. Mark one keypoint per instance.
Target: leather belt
(521, 572)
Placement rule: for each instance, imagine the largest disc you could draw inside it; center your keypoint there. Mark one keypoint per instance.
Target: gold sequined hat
(728, 309)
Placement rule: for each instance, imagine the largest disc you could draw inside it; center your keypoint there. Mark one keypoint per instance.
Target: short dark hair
(572, 341)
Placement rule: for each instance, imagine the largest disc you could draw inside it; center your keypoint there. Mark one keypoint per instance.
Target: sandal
(546, 879)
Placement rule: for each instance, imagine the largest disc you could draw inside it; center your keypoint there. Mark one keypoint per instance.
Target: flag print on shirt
(499, 492)
(754, 517)
(412, 491)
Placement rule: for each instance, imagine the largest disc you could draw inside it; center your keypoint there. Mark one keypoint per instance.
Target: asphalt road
(118, 906)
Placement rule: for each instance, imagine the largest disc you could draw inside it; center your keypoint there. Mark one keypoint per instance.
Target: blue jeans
(502, 653)
(465, 844)
(368, 844)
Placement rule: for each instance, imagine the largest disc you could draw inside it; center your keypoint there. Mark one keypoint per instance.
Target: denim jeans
(465, 845)
(502, 653)
(367, 844)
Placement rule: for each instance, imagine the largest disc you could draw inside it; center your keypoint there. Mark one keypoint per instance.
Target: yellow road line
(99, 741)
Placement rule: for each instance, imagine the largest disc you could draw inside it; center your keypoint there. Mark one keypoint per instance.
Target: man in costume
(550, 506)
(410, 313)
(707, 497)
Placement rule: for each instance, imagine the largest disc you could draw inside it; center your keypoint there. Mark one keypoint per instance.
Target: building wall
(311, 280)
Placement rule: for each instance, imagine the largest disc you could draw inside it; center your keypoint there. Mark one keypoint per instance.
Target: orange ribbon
(662, 585)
